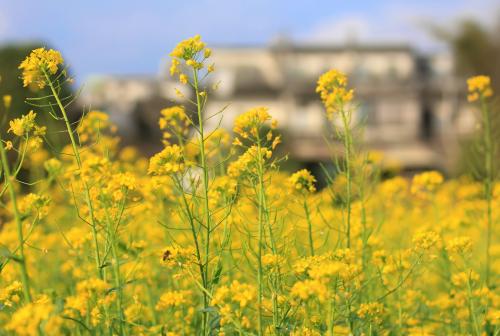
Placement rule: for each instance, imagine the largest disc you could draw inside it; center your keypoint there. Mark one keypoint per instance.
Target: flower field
(210, 237)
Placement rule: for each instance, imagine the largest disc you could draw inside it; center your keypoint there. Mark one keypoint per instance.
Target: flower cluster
(173, 121)
(249, 123)
(28, 319)
(310, 289)
(178, 256)
(173, 299)
(24, 125)
(372, 311)
(169, 161)
(248, 162)
(222, 187)
(94, 126)
(33, 204)
(10, 295)
(302, 180)
(38, 65)
(332, 88)
(192, 53)
(232, 301)
(426, 182)
(479, 87)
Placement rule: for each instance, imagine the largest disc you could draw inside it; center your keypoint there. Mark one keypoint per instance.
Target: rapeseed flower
(39, 64)
(479, 87)
(332, 88)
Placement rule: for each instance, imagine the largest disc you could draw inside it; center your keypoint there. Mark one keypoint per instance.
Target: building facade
(412, 107)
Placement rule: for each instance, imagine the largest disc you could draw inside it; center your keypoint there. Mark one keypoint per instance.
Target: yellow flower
(479, 87)
(53, 166)
(178, 256)
(223, 187)
(309, 289)
(23, 125)
(7, 100)
(372, 311)
(302, 180)
(8, 145)
(183, 78)
(215, 143)
(188, 48)
(38, 65)
(243, 294)
(192, 51)
(424, 241)
(463, 278)
(248, 161)
(92, 127)
(394, 186)
(332, 88)
(250, 122)
(273, 261)
(174, 68)
(169, 160)
(92, 285)
(304, 331)
(459, 245)
(173, 299)
(10, 294)
(173, 119)
(238, 293)
(27, 319)
(426, 182)
(34, 204)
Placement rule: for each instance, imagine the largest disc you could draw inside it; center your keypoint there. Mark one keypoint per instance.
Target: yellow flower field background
(210, 237)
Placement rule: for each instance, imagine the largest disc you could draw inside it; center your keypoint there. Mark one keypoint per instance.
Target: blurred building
(413, 107)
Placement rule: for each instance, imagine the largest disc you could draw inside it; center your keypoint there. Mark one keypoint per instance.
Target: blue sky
(133, 37)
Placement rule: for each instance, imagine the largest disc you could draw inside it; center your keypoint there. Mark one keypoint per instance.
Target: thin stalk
(260, 191)
(116, 270)
(151, 304)
(309, 227)
(330, 322)
(206, 208)
(488, 184)
(17, 216)
(193, 232)
(347, 148)
(472, 310)
(88, 199)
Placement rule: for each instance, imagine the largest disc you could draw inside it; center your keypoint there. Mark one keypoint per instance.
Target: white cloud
(401, 23)
(352, 27)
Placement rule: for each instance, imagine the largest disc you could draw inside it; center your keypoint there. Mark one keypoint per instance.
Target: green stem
(88, 199)
(112, 233)
(488, 183)
(472, 309)
(309, 227)
(193, 232)
(261, 236)
(347, 148)
(206, 208)
(151, 304)
(17, 216)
